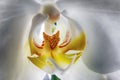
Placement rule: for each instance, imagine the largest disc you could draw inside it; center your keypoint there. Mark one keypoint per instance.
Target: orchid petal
(114, 75)
(102, 51)
(14, 25)
(79, 71)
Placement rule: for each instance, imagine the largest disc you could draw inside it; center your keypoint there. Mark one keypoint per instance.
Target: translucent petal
(114, 75)
(15, 17)
(103, 44)
(101, 25)
(79, 71)
(31, 72)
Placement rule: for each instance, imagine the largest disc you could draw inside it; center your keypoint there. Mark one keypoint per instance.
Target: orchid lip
(58, 45)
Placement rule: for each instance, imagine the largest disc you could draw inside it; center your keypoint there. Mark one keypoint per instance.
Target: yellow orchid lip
(61, 43)
(51, 50)
(52, 40)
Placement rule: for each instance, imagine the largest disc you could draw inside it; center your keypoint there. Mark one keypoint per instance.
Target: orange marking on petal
(52, 40)
(66, 41)
(39, 54)
(37, 45)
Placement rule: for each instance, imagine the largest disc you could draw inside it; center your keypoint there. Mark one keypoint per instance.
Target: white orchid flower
(99, 20)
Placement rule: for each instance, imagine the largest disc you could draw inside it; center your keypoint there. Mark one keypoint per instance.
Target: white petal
(90, 5)
(14, 24)
(80, 72)
(101, 24)
(31, 72)
(114, 75)
(102, 53)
